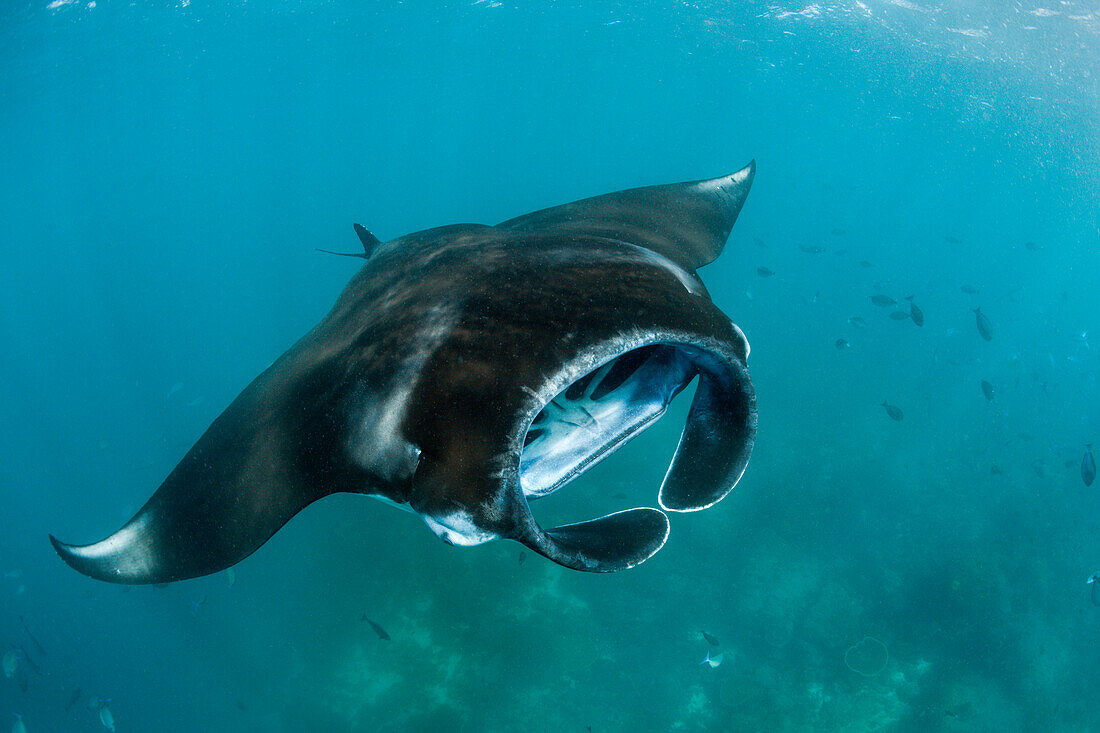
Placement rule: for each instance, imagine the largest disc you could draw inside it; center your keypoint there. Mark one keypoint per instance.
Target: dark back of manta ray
(468, 370)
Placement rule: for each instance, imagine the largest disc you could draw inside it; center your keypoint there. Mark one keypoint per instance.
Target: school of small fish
(905, 309)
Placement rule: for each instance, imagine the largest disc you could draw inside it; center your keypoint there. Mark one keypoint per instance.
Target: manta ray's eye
(599, 412)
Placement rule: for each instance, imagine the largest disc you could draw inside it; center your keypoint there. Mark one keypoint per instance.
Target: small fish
(33, 640)
(377, 629)
(13, 574)
(1088, 472)
(915, 312)
(842, 344)
(1031, 246)
(952, 239)
(173, 389)
(969, 289)
(987, 390)
(857, 322)
(811, 249)
(1094, 581)
(764, 272)
(883, 301)
(985, 328)
(899, 316)
(865, 264)
(522, 557)
(893, 411)
(18, 726)
(712, 661)
(240, 705)
(106, 717)
(73, 698)
(838, 232)
(759, 242)
(996, 470)
(711, 639)
(196, 605)
(231, 577)
(11, 663)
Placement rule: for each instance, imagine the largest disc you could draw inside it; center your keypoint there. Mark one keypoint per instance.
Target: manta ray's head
(469, 370)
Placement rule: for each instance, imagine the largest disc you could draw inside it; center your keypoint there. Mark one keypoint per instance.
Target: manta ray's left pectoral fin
(615, 542)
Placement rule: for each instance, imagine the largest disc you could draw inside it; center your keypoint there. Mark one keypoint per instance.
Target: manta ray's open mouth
(601, 411)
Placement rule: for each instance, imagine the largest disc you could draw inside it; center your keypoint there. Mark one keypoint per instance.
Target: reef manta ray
(468, 369)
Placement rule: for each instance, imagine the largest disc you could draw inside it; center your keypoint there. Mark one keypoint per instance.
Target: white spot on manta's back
(376, 441)
(690, 282)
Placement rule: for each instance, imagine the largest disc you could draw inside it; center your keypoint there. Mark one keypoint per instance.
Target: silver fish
(1088, 469)
(857, 322)
(106, 717)
(11, 663)
(764, 272)
(842, 344)
(899, 316)
(712, 661)
(985, 328)
(883, 301)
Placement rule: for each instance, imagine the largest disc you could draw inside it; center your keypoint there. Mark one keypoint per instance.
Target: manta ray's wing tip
(76, 557)
(84, 560)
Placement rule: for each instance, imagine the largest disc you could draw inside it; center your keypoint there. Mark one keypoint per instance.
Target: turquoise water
(167, 169)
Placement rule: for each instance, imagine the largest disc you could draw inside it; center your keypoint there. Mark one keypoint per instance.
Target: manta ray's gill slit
(599, 412)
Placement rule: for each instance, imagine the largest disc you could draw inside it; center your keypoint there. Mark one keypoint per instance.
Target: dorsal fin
(687, 222)
(369, 240)
(369, 243)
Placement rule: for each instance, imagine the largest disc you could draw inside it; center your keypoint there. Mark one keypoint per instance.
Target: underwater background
(167, 169)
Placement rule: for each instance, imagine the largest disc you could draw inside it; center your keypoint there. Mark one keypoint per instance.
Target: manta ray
(468, 370)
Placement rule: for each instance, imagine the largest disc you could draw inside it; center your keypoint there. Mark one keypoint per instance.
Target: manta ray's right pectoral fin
(615, 542)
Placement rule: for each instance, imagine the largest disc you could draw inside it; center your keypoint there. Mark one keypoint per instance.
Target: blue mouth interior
(599, 412)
